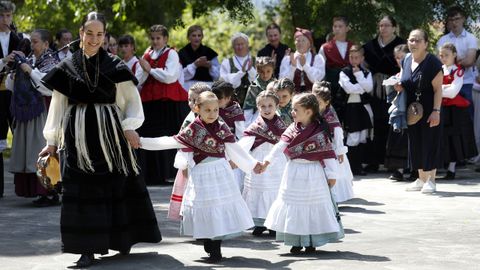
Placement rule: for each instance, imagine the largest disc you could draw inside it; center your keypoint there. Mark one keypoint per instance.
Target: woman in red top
(164, 103)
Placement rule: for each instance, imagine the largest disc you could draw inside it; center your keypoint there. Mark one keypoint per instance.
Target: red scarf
(265, 130)
(332, 119)
(205, 140)
(232, 113)
(310, 143)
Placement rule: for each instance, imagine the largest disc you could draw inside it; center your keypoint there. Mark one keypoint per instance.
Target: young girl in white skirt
(213, 208)
(260, 190)
(343, 188)
(304, 213)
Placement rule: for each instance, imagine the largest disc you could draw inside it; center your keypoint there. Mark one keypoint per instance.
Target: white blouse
(138, 69)
(190, 70)
(452, 90)
(331, 164)
(169, 74)
(314, 73)
(233, 152)
(127, 99)
(363, 85)
(338, 146)
(236, 78)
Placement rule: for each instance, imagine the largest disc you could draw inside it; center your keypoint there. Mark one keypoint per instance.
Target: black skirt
(380, 131)
(396, 152)
(424, 145)
(102, 212)
(162, 118)
(458, 135)
(356, 118)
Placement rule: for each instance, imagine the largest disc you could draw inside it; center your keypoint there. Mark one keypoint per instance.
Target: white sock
(451, 166)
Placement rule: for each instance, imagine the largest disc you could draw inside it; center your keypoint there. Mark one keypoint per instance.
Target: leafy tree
(363, 15)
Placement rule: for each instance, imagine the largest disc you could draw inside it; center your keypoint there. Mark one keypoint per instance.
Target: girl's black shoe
(215, 254)
(296, 250)
(207, 245)
(272, 233)
(259, 230)
(310, 250)
(85, 260)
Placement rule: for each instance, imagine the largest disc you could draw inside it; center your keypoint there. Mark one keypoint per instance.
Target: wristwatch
(436, 110)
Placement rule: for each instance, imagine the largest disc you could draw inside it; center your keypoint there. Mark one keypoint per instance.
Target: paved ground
(386, 228)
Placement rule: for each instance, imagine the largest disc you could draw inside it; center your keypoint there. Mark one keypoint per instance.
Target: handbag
(415, 109)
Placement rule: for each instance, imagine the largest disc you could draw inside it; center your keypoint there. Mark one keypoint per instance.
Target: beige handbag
(415, 109)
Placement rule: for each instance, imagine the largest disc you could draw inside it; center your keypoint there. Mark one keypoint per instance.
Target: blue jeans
(466, 92)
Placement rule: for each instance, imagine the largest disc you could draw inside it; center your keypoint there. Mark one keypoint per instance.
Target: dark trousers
(5, 123)
(5, 115)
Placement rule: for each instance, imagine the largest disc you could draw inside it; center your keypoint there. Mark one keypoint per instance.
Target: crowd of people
(270, 142)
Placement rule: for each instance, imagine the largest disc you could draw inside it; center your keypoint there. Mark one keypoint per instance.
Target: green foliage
(218, 29)
(364, 15)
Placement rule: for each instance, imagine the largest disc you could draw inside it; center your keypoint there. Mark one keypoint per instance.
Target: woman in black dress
(93, 115)
(422, 75)
(381, 62)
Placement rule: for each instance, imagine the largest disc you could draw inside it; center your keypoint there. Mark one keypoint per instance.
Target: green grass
(6, 153)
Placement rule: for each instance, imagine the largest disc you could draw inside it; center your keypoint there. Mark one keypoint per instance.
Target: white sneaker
(429, 187)
(415, 186)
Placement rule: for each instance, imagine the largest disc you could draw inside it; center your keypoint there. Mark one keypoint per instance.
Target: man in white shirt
(63, 37)
(9, 42)
(466, 45)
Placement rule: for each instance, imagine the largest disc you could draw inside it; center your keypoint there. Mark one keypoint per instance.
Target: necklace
(91, 86)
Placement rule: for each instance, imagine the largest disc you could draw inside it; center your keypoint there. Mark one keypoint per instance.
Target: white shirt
(463, 43)
(451, 90)
(236, 78)
(316, 72)
(170, 74)
(190, 70)
(4, 40)
(138, 69)
(62, 55)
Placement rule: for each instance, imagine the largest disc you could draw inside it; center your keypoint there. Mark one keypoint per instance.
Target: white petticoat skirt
(304, 204)
(212, 205)
(261, 190)
(343, 188)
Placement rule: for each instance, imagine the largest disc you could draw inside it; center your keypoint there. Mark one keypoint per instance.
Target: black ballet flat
(259, 231)
(397, 176)
(272, 233)
(125, 252)
(449, 176)
(214, 257)
(85, 260)
(296, 250)
(310, 250)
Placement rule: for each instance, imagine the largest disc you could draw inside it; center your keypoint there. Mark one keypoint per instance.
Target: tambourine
(48, 171)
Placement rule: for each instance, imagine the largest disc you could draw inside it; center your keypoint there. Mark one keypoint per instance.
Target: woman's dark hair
(60, 33)
(322, 90)
(125, 40)
(222, 89)
(390, 18)
(95, 16)
(424, 33)
(273, 26)
(44, 34)
(158, 28)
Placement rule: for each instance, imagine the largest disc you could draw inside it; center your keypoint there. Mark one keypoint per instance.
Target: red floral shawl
(232, 113)
(332, 119)
(265, 130)
(310, 143)
(205, 140)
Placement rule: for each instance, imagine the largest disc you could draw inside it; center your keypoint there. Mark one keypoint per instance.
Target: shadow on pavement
(147, 260)
(350, 231)
(340, 255)
(360, 202)
(243, 262)
(353, 209)
(456, 194)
